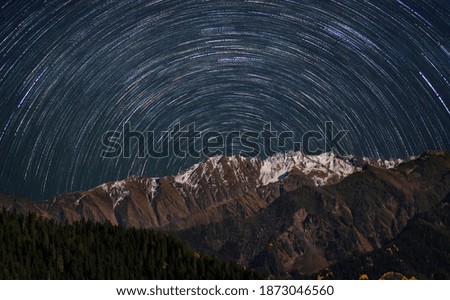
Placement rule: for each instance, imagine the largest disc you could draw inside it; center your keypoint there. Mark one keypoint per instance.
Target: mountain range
(290, 215)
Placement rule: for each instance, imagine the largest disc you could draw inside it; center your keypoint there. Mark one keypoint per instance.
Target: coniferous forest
(32, 247)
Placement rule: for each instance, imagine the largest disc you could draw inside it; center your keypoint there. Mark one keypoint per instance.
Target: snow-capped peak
(327, 164)
(323, 169)
(185, 176)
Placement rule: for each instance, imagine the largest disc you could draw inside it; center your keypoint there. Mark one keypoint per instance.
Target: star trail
(72, 70)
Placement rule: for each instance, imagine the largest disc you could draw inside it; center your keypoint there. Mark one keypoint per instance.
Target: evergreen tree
(36, 248)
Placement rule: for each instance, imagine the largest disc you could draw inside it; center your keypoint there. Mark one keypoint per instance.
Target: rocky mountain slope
(311, 227)
(208, 192)
(289, 215)
(421, 251)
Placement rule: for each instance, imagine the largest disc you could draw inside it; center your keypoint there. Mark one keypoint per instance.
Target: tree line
(32, 247)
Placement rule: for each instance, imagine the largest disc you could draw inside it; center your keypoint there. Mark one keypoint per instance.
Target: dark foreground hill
(421, 251)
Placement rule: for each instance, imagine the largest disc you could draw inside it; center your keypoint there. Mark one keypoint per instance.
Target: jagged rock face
(206, 193)
(290, 214)
(309, 228)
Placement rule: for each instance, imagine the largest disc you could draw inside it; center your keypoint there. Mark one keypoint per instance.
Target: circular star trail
(72, 70)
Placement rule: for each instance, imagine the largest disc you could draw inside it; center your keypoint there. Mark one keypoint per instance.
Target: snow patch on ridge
(323, 169)
(327, 163)
(185, 176)
(118, 192)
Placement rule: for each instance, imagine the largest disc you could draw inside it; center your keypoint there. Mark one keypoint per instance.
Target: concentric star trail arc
(72, 70)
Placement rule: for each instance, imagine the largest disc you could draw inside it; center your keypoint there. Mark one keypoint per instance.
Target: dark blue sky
(72, 70)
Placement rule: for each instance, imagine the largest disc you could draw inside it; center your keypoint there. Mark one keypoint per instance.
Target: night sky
(72, 70)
